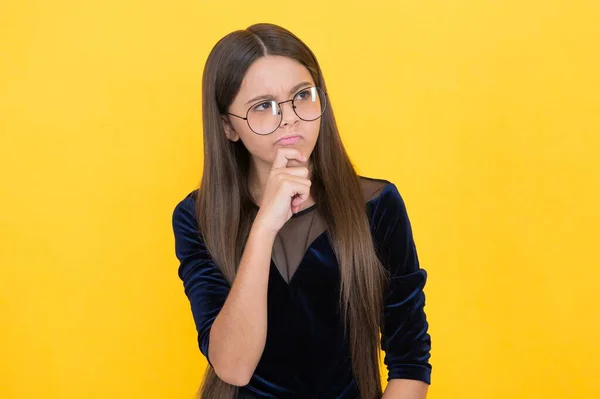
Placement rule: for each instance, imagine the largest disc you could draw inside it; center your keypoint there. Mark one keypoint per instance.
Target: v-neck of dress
(307, 252)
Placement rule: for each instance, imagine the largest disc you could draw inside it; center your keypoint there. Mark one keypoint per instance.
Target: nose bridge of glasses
(291, 114)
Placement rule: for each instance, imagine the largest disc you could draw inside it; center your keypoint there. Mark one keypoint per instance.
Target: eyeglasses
(265, 117)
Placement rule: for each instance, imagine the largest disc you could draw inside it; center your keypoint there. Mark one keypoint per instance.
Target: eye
(263, 106)
(303, 94)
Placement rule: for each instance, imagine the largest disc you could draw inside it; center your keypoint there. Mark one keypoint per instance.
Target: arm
(405, 389)
(404, 329)
(233, 319)
(239, 332)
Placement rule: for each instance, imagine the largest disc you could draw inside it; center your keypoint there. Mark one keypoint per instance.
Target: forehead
(273, 75)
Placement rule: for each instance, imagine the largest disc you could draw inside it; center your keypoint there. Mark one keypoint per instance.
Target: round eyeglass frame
(280, 111)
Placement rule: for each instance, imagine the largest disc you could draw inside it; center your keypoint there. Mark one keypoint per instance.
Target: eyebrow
(292, 91)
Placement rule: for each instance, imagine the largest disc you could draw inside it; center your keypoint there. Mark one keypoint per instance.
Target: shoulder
(383, 199)
(184, 214)
(372, 187)
(375, 190)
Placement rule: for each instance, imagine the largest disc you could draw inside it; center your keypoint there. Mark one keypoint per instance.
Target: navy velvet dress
(306, 354)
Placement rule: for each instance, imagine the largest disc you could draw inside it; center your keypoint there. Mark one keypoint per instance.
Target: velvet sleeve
(405, 338)
(204, 284)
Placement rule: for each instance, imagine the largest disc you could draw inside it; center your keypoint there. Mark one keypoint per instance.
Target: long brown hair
(225, 204)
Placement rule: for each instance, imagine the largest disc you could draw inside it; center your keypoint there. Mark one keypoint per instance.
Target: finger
(295, 185)
(297, 201)
(299, 192)
(297, 171)
(284, 155)
(300, 197)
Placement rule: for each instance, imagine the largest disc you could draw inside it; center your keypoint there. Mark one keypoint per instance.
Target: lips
(288, 139)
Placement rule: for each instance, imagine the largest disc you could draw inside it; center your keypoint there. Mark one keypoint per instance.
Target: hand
(286, 189)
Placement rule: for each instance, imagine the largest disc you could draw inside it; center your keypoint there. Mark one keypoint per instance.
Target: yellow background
(484, 113)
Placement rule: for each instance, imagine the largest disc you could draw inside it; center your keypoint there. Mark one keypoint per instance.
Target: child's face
(271, 80)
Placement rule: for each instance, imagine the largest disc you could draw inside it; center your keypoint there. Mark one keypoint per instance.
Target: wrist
(263, 232)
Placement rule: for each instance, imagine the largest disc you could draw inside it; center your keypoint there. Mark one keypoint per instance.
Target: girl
(292, 263)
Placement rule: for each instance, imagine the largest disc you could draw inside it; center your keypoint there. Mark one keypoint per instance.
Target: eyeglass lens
(308, 104)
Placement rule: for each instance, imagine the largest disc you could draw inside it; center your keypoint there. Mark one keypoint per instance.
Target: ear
(229, 130)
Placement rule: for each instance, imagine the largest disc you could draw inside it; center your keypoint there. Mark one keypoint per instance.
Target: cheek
(258, 146)
(311, 131)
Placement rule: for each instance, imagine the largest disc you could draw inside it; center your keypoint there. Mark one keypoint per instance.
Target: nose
(289, 116)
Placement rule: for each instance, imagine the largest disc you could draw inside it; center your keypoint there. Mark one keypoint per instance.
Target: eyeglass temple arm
(237, 116)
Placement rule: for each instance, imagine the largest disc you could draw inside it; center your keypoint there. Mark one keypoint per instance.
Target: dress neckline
(303, 211)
